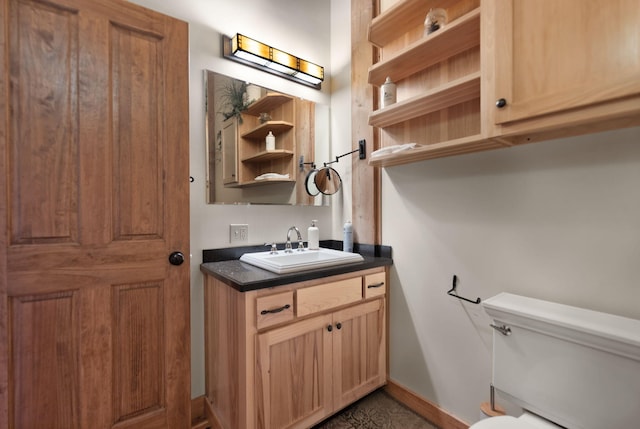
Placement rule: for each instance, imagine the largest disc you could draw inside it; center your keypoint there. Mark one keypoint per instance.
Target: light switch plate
(238, 233)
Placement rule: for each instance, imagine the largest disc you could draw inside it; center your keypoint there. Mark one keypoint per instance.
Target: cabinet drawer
(273, 309)
(329, 295)
(375, 284)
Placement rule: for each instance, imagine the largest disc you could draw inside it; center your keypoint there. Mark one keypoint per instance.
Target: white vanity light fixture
(256, 54)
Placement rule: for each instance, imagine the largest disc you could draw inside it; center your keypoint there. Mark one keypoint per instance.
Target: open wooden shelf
(411, 60)
(404, 14)
(469, 144)
(452, 93)
(269, 155)
(261, 131)
(454, 38)
(267, 103)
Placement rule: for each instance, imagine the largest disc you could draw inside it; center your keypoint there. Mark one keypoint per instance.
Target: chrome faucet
(274, 248)
(287, 246)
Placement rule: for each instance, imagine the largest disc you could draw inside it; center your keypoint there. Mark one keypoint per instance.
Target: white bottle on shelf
(387, 93)
(313, 236)
(271, 141)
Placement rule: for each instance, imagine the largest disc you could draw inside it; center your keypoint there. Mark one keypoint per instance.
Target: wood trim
(202, 415)
(199, 418)
(366, 185)
(4, 235)
(424, 407)
(211, 416)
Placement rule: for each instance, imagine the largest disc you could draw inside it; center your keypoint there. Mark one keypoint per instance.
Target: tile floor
(376, 411)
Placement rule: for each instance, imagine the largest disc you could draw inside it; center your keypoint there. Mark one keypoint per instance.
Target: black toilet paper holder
(453, 292)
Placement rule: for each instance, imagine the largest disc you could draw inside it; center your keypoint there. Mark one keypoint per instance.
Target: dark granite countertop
(224, 265)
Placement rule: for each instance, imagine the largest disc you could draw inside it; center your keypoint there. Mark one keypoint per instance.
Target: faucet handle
(300, 245)
(274, 248)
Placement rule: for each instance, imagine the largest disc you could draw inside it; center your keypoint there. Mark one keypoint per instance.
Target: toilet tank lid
(604, 331)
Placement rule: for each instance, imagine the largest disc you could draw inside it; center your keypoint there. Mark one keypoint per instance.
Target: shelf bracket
(301, 164)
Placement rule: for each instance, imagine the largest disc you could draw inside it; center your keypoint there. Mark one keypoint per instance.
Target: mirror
(262, 144)
(327, 181)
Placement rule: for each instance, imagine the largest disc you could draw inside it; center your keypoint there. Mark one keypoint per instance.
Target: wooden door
(94, 320)
(552, 56)
(293, 377)
(359, 350)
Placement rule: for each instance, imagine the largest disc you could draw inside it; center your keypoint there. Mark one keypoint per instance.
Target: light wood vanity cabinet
(562, 68)
(289, 356)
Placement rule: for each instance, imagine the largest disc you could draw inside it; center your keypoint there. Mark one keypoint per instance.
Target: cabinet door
(359, 348)
(293, 374)
(552, 56)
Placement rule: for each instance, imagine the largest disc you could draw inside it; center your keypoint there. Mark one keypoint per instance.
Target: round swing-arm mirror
(328, 181)
(310, 183)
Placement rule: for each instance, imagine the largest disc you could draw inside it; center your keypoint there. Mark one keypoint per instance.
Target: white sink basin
(282, 263)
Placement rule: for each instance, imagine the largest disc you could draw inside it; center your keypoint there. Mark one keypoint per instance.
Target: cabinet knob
(501, 103)
(339, 325)
(329, 328)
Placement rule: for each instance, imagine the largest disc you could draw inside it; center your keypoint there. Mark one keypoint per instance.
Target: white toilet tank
(578, 368)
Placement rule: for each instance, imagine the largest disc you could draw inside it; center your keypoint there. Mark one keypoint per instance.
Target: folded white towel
(266, 176)
(393, 149)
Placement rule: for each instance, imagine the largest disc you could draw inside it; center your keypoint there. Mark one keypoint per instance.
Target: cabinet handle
(501, 103)
(339, 325)
(329, 328)
(375, 285)
(275, 310)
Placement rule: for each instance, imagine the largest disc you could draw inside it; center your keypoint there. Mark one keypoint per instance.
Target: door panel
(137, 128)
(138, 339)
(94, 166)
(44, 123)
(45, 325)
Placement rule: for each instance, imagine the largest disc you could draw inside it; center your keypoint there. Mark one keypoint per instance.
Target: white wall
(301, 27)
(558, 220)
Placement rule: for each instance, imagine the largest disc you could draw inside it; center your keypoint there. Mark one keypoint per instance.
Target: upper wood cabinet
(553, 57)
(556, 56)
(562, 68)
